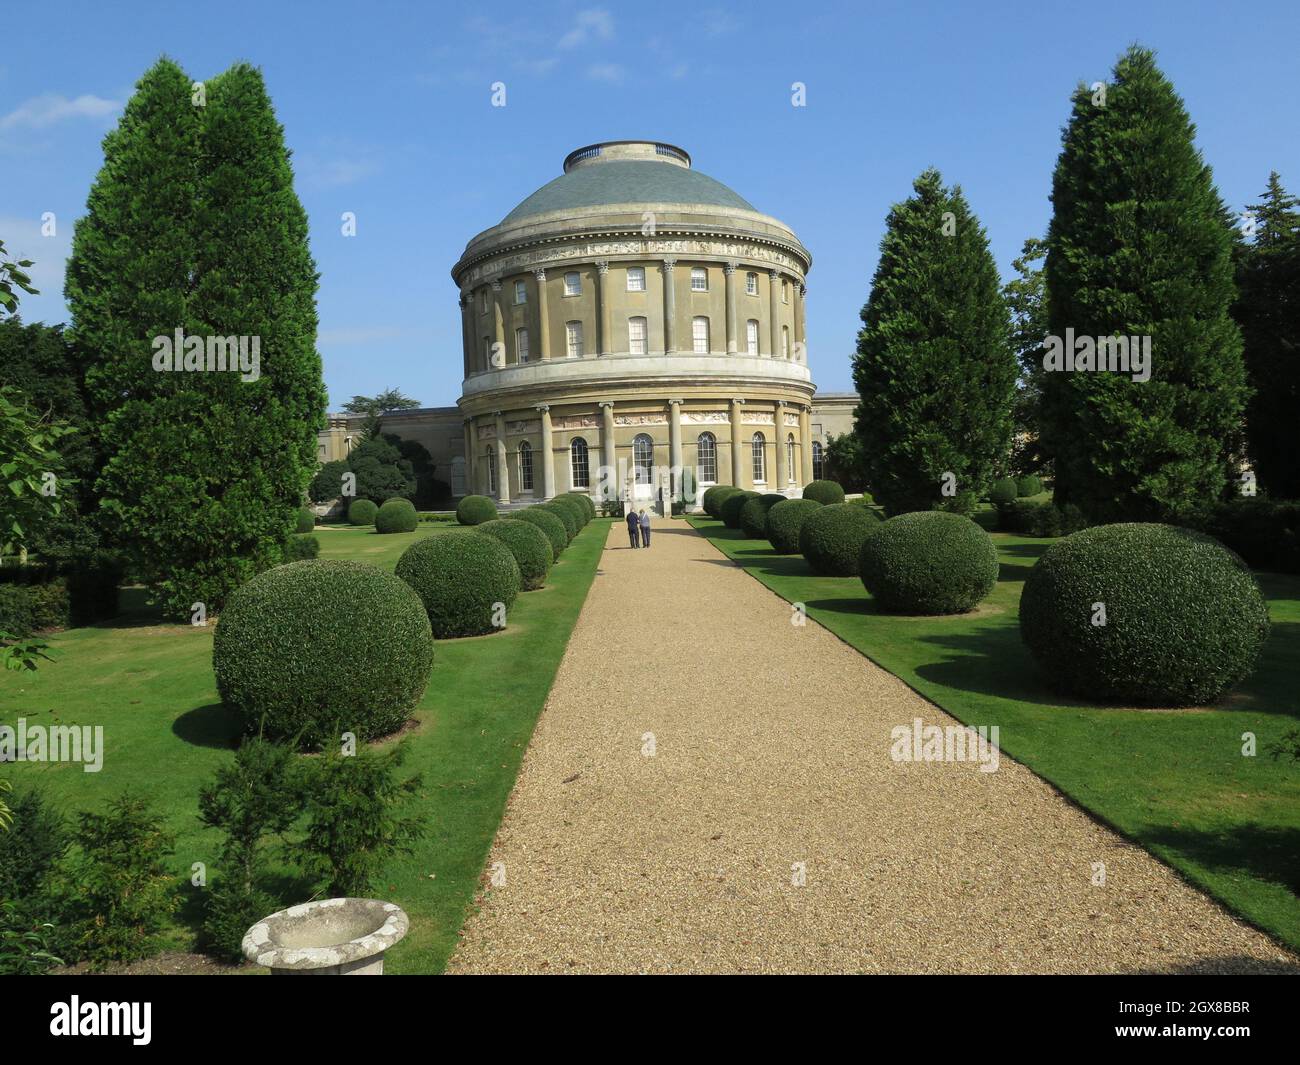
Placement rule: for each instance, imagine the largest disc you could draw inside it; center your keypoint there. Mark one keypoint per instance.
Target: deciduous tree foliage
(934, 368)
(1140, 245)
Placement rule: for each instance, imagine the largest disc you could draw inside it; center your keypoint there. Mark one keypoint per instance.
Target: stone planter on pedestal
(332, 937)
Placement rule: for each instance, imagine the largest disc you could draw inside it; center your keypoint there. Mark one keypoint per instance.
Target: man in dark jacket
(633, 528)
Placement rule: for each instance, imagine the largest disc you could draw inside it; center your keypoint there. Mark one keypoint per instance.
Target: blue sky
(387, 109)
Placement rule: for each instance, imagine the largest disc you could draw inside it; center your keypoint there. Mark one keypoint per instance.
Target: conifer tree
(1139, 246)
(934, 367)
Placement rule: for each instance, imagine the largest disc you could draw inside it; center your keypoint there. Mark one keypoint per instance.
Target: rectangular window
(785, 341)
(785, 292)
(521, 292)
(636, 278)
(699, 279)
(482, 301)
(751, 284)
(573, 284)
(526, 467)
(751, 337)
(492, 470)
(521, 344)
(700, 335)
(636, 330)
(573, 339)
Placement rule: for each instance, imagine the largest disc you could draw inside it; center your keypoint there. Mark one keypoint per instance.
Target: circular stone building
(637, 315)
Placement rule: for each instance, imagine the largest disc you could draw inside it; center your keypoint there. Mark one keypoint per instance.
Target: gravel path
(772, 748)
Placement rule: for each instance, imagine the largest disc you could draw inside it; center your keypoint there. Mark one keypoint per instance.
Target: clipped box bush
(753, 515)
(1265, 532)
(731, 506)
(785, 520)
(574, 506)
(713, 497)
(826, 493)
(362, 512)
(928, 562)
(397, 516)
(566, 515)
(318, 648)
(306, 520)
(301, 546)
(831, 538)
(1004, 492)
(1029, 485)
(467, 581)
(551, 526)
(475, 510)
(1184, 619)
(529, 545)
(586, 502)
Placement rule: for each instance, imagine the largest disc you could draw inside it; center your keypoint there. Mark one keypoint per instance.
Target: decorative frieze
(705, 417)
(759, 417)
(640, 419)
(520, 428)
(791, 420)
(577, 421)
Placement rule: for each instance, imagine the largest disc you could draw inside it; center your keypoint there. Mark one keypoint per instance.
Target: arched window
(643, 457)
(579, 471)
(492, 469)
(818, 461)
(789, 458)
(759, 448)
(706, 458)
(700, 334)
(636, 334)
(526, 466)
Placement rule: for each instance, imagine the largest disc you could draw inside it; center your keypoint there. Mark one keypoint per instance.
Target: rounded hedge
(1184, 617)
(318, 648)
(574, 506)
(362, 512)
(475, 510)
(529, 545)
(466, 581)
(398, 515)
(784, 522)
(753, 515)
(1004, 492)
(566, 515)
(713, 498)
(1029, 485)
(831, 538)
(828, 493)
(729, 511)
(551, 526)
(586, 502)
(300, 546)
(928, 562)
(306, 520)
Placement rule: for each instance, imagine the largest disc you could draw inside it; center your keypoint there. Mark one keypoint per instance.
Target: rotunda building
(637, 315)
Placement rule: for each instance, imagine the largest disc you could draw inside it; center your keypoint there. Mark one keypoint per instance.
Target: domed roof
(627, 172)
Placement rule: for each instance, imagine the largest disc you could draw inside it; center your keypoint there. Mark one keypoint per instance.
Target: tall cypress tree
(1139, 246)
(1268, 310)
(934, 368)
(193, 225)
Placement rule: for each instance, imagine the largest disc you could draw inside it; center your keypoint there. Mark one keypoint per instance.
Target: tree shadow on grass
(208, 726)
(1266, 852)
(992, 660)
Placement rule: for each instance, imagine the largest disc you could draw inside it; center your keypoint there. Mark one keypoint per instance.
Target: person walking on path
(633, 528)
(645, 528)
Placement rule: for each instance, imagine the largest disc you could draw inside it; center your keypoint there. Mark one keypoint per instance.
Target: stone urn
(331, 937)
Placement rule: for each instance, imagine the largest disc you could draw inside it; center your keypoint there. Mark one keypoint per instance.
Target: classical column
(732, 339)
(799, 325)
(737, 448)
(467, 330)
(471, 458)
(778, 419)
(675, 443)
(607, 440)
(543, 319)
(774, 312)
(548, 454)
(498, 327)
(602, 308)
(670, 307)
(503, 466)
(805, 443)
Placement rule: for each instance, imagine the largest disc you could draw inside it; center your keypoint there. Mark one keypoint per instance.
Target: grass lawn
(151, 687)
(1176, 782)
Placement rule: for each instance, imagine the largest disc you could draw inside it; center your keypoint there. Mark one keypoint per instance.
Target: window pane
(636, 335)
(643, 458)
(526, 466)
(817, 460)
(699, 279)
(573, 336)
(751, 336)
(706, 452)
(579, 470)
(636, 279)
(572, 284)
(521, 292)
(751, 283)
(700, 335)
(492, 470)
(521, 344)
(760, 458)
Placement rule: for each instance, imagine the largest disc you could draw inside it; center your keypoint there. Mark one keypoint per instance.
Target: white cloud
(592, 23)
(49, 108)
(49, 255)
(605, 72)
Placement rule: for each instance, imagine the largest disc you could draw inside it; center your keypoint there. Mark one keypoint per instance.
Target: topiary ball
(475, 510)
(586, 502)
(529, 545)
(397, 516)
(362, 512)
(467, 581)
(928, 562)
(828, 493)
(784, 522)
(306, 520)
(1004, 492)
(551, 526)
(753, 515)
(1184, 616)
(831, 538)
(713, 497)
(574, 506)
(301, 546)
(729, 511)
(565, 514)
(315, 649)
(1029, 485)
